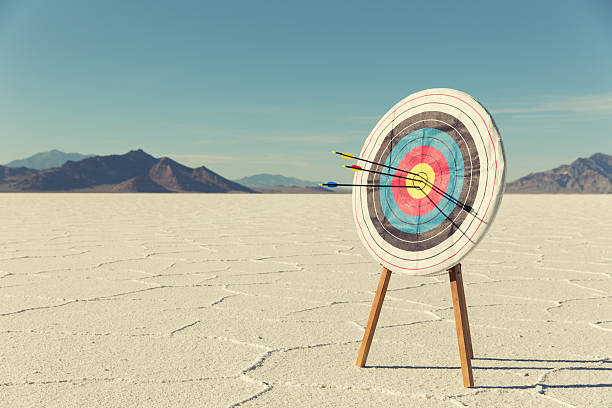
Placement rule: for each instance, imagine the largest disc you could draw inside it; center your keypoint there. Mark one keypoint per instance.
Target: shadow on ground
(577, 367)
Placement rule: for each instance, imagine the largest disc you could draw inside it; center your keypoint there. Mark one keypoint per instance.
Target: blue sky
(249, 87)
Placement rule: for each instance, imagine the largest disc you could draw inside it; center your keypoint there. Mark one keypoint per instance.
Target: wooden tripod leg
(464, 314)
(374, 313)
(463, 331)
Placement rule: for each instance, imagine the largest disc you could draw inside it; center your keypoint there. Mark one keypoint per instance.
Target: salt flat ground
(261, 301)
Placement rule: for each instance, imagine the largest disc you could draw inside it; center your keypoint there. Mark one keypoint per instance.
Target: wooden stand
(374, 313)
(461, 322)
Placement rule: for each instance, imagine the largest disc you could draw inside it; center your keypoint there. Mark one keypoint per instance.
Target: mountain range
(592, 175)
(135, 171)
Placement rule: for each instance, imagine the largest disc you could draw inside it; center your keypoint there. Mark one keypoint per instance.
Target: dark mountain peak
(174, 176)
(602, 159)
(166, 161)
(138, 151)
(138, 154)
(209, 177)
(601, 156)
(584, 175)
(206, 170)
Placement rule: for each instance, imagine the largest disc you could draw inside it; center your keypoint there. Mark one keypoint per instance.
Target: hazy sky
(248, 87)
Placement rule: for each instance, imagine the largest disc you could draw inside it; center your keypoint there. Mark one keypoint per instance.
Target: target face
(437, 161)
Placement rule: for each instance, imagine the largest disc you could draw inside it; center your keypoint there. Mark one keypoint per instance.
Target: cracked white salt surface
(261, 300)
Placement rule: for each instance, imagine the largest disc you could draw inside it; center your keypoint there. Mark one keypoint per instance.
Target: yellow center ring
(420, 186)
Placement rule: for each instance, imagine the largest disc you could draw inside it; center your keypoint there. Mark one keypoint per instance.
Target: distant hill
(47, 160)
(591, 175)
(274, 180)
(135, 171)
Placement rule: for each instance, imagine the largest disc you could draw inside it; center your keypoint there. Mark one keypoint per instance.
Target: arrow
(333, 184)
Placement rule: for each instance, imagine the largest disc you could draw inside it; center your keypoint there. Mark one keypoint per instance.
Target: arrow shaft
(364, 185)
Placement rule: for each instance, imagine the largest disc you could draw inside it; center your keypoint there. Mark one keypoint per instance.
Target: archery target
(439, 161)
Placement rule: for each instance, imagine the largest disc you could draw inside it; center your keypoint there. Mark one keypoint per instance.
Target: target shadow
(607, 369)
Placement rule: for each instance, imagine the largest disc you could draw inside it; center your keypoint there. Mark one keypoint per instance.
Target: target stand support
(461, 322)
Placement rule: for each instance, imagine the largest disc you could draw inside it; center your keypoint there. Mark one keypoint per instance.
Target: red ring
(420, 206)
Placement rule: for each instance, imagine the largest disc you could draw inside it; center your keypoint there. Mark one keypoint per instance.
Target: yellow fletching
(345, 155)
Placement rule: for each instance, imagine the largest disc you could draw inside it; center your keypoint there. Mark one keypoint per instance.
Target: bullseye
(421, 185)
